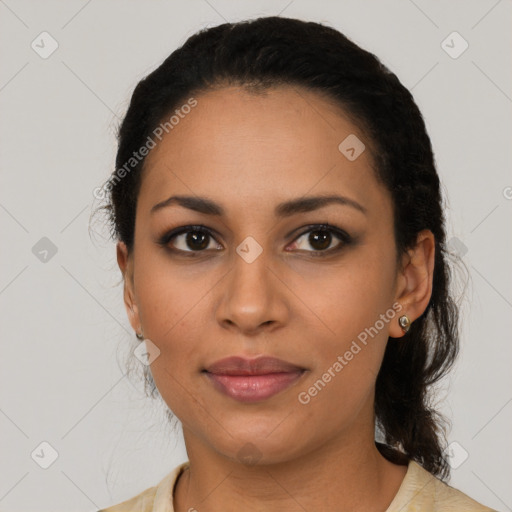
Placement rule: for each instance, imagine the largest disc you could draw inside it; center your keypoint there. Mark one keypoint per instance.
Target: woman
(282, 242)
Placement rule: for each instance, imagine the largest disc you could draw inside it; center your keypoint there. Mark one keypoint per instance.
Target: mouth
(252, 380)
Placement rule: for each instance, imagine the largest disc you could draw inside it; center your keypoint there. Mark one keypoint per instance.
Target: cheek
(350, 352)
(166, 293)
(165, 308)
(348, 297)
(172, 316)
(172, 310)
(179, 344)
(353, 311)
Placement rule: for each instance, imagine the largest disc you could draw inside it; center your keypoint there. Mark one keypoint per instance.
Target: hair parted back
(273, 51)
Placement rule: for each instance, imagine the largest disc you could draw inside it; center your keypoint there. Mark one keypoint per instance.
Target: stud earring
(139, 336)
(404, 322)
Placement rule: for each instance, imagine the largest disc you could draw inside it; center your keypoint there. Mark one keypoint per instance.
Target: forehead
(240, 145)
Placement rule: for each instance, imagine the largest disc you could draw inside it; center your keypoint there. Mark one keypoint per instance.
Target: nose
(253, 297)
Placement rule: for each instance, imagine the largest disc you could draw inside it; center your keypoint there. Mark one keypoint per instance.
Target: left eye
(321, 239)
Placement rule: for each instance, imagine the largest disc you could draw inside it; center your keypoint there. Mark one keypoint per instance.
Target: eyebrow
(286, 209)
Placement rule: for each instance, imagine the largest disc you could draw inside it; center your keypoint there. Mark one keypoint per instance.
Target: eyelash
(344, 237)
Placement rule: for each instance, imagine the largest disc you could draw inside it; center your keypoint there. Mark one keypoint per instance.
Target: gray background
(64, 330)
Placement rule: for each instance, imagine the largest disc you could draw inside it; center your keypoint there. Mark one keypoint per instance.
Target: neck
(353, 474)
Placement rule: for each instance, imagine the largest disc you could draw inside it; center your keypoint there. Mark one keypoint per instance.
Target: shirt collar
(164, 496)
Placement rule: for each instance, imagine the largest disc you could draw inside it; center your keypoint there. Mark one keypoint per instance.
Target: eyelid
(323, 226)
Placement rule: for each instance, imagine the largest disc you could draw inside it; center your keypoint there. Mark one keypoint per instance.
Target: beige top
(419, 491)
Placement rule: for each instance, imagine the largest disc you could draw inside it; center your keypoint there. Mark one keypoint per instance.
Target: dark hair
(271, 51)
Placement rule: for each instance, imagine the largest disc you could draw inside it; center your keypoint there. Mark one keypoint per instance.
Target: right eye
(190, 239)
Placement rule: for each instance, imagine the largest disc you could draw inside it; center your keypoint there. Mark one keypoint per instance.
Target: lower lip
(253, 388)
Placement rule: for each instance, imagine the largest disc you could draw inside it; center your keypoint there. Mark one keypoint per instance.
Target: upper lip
(262, 365)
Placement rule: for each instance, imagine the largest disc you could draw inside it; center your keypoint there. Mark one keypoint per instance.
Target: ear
(415, 278)
(125, 262)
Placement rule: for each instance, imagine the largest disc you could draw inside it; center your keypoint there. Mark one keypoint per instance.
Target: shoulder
(143, 502)
(158, 498)
(420, 490)
(448, 499)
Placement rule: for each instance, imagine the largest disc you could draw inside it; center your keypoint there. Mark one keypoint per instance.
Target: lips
(252, 380)
(262, 365)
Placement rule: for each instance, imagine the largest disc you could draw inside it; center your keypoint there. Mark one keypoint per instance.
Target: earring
(139, 336)
(404, 322)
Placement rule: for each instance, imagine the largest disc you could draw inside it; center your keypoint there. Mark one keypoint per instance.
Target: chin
(258, 447)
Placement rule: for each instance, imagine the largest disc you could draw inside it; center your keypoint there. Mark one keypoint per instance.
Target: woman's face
(267, 281)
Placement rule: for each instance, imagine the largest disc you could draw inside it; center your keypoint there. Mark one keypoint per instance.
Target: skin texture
(249, 152)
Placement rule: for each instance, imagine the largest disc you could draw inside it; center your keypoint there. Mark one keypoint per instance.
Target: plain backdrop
(64, 329)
